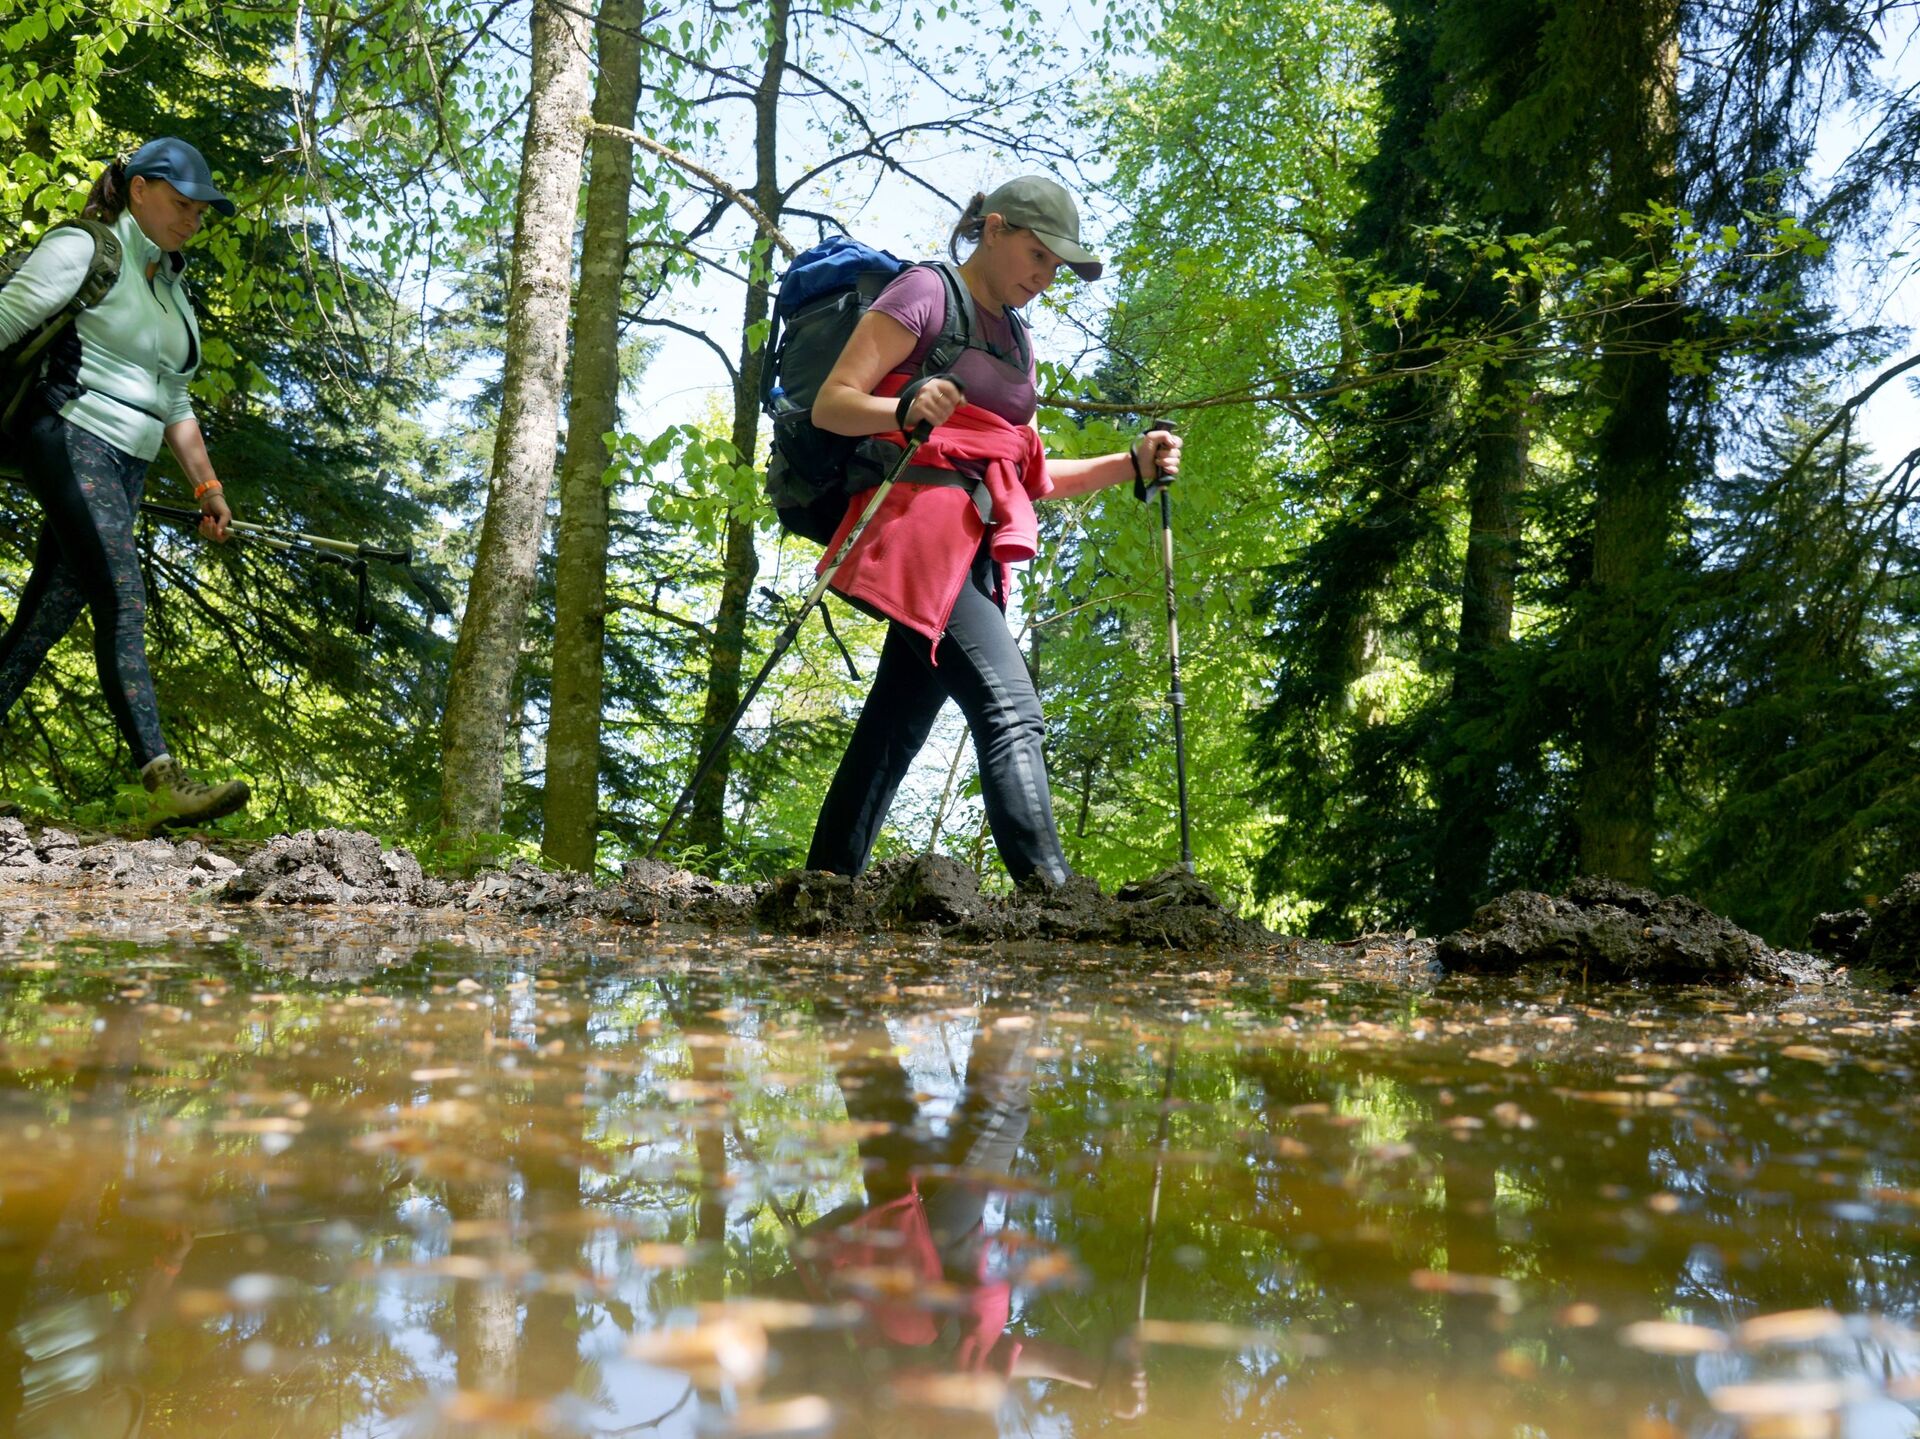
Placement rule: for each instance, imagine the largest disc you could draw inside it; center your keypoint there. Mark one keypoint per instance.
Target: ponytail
(108, 197)
(972, 226)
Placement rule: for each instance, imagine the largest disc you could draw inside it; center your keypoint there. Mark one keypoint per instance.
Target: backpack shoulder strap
(102, 271)
(962, 325)
(957, 326)
(1022, 341)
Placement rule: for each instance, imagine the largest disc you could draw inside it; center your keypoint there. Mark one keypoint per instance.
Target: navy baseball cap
(182, 167)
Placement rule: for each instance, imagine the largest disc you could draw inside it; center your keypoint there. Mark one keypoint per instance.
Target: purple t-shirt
(918, 300)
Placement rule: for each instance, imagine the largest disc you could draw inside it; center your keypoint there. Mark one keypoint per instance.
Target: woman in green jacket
(112, 388)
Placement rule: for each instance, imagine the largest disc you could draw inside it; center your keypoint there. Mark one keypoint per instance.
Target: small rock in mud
(1606, 931)
(1890, 940)
(810, 901)
(926, 889)
(56, 846)
(16, 847)
(1841, 936)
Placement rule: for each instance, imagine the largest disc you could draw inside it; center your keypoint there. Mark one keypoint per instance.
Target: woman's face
(1020, 267)
(168, 218)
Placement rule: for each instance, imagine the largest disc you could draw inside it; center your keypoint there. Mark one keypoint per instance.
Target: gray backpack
(20, 361)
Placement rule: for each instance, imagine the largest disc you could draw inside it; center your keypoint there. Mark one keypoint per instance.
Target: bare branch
(702, 336)
(760, 218)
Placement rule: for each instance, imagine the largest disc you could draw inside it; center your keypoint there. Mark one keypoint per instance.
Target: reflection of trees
(1315, 1168)
(1599, 1173)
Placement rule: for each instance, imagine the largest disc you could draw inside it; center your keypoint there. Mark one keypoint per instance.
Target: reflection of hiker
(928, 561)
(73, 1316)
(81, 1358)
(917, 1256)
(111, 386)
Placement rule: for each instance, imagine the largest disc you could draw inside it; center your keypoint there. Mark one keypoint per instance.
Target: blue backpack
(820, 300)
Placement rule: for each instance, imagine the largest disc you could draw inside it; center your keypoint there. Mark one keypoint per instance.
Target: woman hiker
(113, 386)
(929, 562)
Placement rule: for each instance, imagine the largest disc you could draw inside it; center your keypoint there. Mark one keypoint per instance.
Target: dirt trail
(1598, 931)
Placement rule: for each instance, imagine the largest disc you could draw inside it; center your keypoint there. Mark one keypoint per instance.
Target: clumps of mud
(651, 892)
(54, 857)
(927, 894)
(332, 866)
(1604, 931)
(1884, 938)
(936, 894)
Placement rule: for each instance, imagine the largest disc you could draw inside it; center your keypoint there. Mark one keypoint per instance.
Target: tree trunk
(707, 825)
(571, 802)
(1637, 491)
(473, 737)
(1467, 790)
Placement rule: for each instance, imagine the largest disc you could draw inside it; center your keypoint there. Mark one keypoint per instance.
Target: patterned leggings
(90, 490)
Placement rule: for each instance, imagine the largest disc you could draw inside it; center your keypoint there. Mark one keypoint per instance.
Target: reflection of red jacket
(896, 1240)
(915, 553)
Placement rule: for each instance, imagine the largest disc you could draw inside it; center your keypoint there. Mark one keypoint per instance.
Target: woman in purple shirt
(1021, 234)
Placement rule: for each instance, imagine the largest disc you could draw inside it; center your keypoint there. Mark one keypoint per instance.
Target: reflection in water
(317, 1178)
(923, 1273)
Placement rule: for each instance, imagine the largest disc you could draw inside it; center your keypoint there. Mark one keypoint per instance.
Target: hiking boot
(1058, 887)
(177, 800)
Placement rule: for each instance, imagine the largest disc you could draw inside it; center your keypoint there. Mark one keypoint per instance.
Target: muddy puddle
(268, 1175)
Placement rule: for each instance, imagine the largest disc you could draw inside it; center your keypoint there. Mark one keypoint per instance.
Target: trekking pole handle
(1143, 487)
(912, 389)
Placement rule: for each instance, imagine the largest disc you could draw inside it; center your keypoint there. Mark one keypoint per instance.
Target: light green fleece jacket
(137, 349)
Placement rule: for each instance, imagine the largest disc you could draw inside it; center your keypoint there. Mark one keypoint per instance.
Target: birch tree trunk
(473, 737)
(571, 802)
(707, 824)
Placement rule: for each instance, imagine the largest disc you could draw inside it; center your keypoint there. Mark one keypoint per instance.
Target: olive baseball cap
(182, 167)
(1036, 203)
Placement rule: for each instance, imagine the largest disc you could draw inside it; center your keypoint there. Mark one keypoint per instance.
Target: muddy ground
(1599, 931)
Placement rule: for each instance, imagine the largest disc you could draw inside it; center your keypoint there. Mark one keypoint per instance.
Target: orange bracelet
(206, 485)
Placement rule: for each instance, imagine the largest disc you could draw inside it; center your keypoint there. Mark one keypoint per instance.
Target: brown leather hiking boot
(177, 800)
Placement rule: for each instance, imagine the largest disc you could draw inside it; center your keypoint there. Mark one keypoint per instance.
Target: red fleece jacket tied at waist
(915, 553)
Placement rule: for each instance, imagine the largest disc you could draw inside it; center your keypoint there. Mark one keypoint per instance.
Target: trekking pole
(354, 554)
(787, 637)
(278, 537)
(1176, 696)
(1159, 1166)
(1133, 1347)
